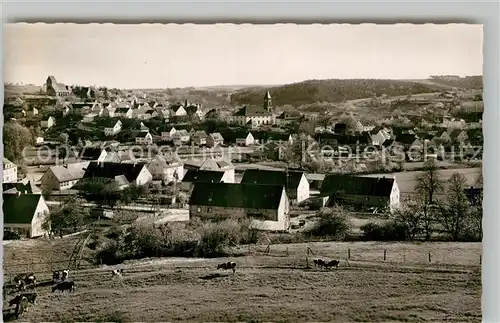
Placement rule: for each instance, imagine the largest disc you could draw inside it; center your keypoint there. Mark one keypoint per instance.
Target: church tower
(268, 103)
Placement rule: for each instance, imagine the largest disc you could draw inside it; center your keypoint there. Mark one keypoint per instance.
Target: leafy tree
(70, 215)
(332, 222)
(410, 216)
(16, 138)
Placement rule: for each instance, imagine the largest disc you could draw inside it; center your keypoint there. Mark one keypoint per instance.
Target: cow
(333, 263)
(64, 286)
(30, 279)
(227, 265)
(21, 304)
(319, 262)
(30, 296)
(117, 272)
(56, 275)
(65, 274)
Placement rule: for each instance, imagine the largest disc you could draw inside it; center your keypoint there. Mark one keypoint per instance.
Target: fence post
(429, 257)
(480, 259)
(349, 254)
(385, 254)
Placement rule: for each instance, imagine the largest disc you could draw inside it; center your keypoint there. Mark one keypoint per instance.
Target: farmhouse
(167, 135)
(9, 171)
(25, 213)
(177, 111)
(123, 173)
(214, 140)
(180, 137)
(295, 182)
(287, 118)
(56, 89)
(112, 127)
(266, 206)
(168, 168)
(194, 111)
(144, 138)
(252, 115)
(361, 191)
(62, 177)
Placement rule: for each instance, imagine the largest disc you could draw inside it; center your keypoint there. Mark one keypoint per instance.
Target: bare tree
(410, 215)
(428, 185)
(455, 213)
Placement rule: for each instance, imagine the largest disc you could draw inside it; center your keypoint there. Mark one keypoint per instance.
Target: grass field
(278, 287)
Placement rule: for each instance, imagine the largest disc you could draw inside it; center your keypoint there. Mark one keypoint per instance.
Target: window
(198, 210)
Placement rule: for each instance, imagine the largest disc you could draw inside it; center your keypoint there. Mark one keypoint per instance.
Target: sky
(182, 55)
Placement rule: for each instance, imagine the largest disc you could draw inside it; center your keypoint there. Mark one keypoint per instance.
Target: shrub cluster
(197, 239)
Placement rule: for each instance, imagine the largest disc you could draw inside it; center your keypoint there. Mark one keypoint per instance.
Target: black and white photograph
(242, 172)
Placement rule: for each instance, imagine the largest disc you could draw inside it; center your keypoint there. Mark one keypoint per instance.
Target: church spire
(268, 103)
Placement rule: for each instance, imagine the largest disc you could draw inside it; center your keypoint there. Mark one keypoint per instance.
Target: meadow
(278, 286)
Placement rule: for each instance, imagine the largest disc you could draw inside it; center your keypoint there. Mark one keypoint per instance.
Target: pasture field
(279, 287)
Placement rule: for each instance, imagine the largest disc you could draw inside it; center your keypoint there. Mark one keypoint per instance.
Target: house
(53, 88)
(143, 127)
(144, 138)
(177, 110)
(23, 187)
(169, 168)
(458, 136)
(199, 138)
(33, 112)
(274, 151)
(124, 112)
(9, 171)
(25, 213)
(212, 114)
(247, 141)
(219, 165)
(194, 111)
(66, 110)
(361, 191)
(92, 154)
(214, 139)
(449, 122)
(162, 113)
(89, 117)
(379, 136)
(112, 127)
(46, 124)
(202, 176)
(288, 117)
(39, 140)
(167, 135)
(108, 110)
(123, 173)
(63, 177)
(442, 136)
(295, 182)
(180, 137)
(266, 206)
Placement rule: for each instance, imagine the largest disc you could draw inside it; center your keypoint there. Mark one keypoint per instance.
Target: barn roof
(347, 184)
(19, 209)
(249, 196)
(111, 170)
(205, 176)
(90, 153)
(69, 172)
(252, 111)
(290, 179)
(29, 187)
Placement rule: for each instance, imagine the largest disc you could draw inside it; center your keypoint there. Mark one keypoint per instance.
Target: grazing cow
(21, 305)
(227, 265)
(65, 274)
(64, 286)
(333, 263)
(30, 296)
(319, 262)
(56, 275)
(117, 272)
(30, 279)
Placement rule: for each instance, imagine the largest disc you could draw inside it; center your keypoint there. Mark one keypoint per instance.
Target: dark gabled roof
(347, 184)
(111, 170)
(290, 179)
(142, 134)
(122, 110)
(252, 111)
(406, 138)
(200, 134)
(249, 196)
(455, 132)
(289, 115)
(90, 153)
(109, 123)
(191, 109)
(203, 176)
(19, 209)
(28, 187)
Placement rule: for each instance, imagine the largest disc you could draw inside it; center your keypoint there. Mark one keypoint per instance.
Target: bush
(333, 223)
(11, 235)
(388, 231)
